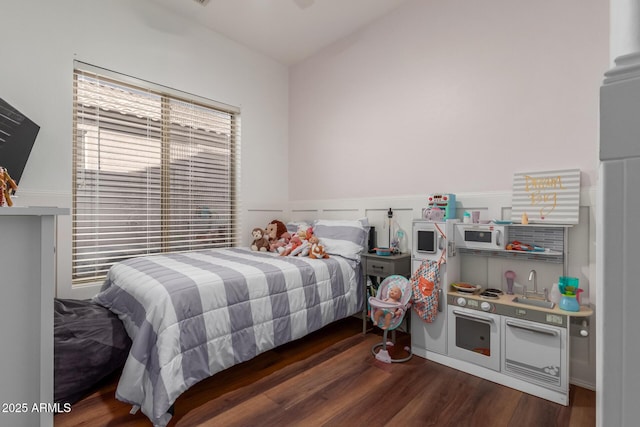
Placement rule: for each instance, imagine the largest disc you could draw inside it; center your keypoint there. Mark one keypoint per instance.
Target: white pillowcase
(346, 238)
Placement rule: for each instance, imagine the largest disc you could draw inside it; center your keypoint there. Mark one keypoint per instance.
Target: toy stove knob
(485, 306)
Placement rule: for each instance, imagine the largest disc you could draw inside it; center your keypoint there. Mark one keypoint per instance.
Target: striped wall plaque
(551, 197)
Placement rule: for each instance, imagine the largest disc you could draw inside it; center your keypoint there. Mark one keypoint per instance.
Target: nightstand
(379, 267)
(383, 266)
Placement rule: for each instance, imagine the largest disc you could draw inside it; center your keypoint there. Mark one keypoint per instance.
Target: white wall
(450, 96)
(41, 39)
(454, 96)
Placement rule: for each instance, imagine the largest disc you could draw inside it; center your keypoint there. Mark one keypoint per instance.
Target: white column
(625, 28)
(618, 342)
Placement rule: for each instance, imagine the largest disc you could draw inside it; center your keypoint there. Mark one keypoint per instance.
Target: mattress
(191, 315)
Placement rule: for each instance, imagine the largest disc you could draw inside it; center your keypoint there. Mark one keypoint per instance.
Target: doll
(304, 234)
(294, 243)
(394, 296)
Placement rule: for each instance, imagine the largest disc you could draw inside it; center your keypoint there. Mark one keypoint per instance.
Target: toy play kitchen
(506, 330)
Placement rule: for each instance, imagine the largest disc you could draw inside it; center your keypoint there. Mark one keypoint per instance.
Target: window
(154, 170)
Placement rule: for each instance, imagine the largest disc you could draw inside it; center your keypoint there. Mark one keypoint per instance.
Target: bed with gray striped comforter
(194, 314)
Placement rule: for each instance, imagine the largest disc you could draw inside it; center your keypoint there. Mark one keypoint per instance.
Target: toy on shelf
(8, 187)
(440, 207)
(570, 290)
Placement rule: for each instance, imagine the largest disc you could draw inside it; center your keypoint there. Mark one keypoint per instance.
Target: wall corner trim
(626, 67)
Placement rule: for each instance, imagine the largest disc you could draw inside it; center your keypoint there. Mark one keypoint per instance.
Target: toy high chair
(388, 308)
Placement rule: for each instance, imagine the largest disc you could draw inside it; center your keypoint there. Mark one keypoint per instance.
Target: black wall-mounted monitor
(17, 135)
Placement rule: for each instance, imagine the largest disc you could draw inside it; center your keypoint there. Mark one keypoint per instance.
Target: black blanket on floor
(90, 343)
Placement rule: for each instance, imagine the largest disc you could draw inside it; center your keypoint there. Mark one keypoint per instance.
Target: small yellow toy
(7, 187)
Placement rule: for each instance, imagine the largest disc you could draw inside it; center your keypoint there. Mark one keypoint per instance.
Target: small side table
(380, 266)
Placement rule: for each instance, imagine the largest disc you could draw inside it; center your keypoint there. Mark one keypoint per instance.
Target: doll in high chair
(394, 296)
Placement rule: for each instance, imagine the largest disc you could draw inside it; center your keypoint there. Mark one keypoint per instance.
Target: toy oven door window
(426, 241)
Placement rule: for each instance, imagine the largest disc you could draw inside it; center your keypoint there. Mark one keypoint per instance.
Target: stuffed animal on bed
(260, 243)
(317, 250)
(304, 234)
(293, 245)
(277, 235)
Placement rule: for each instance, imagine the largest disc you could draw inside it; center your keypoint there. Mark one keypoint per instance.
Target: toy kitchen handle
(473, 317)
(498, 237)
(531, 328)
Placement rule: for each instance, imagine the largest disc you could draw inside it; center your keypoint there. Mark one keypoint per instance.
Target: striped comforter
(194, 314)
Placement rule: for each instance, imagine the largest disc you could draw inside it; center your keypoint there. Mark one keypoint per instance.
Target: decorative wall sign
(551, 197)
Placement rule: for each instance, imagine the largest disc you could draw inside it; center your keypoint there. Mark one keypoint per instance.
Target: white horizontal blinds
(152, 173)
(201, 170)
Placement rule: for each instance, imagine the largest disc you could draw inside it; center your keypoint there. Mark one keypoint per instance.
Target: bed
(191, 315)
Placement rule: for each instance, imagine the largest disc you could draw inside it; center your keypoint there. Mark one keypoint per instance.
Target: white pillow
(346, 238)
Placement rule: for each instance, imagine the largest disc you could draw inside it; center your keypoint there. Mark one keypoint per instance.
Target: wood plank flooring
(330, 378)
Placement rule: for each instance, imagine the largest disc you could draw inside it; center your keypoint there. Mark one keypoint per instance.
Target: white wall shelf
(27, 279)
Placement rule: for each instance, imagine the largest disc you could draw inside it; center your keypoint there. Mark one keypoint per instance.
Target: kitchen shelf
(547, 256)
(551, 237)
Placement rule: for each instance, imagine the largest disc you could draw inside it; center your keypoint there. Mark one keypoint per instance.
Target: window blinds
(153, 172)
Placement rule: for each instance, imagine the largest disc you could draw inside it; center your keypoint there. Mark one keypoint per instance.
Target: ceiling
(285, 30)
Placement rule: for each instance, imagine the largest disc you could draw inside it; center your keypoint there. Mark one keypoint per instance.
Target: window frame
(229, 189)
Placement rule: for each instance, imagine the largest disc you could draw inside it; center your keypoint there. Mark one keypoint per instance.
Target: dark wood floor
(330, 378)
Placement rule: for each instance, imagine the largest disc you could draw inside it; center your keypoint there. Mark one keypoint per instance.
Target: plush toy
(260, 243)
(277, 235)
(7, 187)
(394, 295)
(317, 250)
(304, 234)
(293, 244)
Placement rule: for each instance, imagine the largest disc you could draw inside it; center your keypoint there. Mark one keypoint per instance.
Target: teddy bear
(277, 235)
(260, 243)
(7, 187)
(317, 250)
(394, 296)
